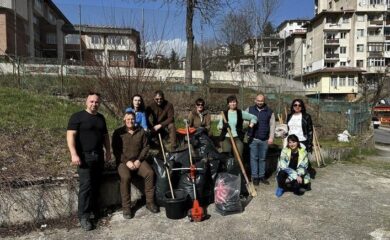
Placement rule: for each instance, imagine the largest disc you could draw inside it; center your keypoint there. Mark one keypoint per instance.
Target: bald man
(260, 136)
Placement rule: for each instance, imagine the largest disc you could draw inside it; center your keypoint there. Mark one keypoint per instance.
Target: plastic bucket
(176, 208)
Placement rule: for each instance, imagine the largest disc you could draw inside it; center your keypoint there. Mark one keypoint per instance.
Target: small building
(99, 45)
(341, 83)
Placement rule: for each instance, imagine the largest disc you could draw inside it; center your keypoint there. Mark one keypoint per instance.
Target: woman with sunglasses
(200, 118)
(292, 173)
(299, 123)
(137, 106)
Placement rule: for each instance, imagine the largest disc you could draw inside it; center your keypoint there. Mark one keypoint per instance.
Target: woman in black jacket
(299, 123)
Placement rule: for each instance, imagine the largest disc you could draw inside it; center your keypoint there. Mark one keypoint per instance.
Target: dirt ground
(349, 200)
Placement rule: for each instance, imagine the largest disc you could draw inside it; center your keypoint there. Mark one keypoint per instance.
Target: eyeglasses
(297, 105)
(158, 99)
(200, 104)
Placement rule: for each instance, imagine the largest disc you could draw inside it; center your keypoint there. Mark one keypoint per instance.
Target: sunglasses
(158, 99)
(297, 105)
(200, 104)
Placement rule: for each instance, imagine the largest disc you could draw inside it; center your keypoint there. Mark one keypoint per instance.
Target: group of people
(89, 145)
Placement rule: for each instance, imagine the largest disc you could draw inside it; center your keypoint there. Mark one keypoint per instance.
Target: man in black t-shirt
(86, 135)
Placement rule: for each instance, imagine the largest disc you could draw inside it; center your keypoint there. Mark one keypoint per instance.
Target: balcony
(331, 56)
(376, 38)
(375, 54)
(375, 23)
(332, 41)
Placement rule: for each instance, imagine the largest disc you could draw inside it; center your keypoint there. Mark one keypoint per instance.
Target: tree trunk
(190, 40)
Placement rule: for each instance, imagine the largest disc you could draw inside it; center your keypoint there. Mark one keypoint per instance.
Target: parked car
(375, 122)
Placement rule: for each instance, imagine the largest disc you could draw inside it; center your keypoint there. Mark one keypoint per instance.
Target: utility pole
(143, 39)
(80, 50)
(15, 34)
(284, 55)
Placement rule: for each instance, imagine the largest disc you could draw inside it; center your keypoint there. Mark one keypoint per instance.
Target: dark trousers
(90, 172)
(146, 172)
(292, 186)
(169, 130)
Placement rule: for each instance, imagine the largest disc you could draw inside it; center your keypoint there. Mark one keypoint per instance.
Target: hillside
(32, 134)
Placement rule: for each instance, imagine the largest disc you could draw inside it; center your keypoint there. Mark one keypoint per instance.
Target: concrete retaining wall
(37, 203)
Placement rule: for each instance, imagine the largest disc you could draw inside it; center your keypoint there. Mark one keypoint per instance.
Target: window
(360, 32)
(329, 64)
(342, 81)
(387, 46)
(51, 17)
(333, 81)
(372, 2)
(51, 38)
(345, 19)
(374, 32)
(96, 39)
(72, 39)
(343, 35)
(359, 63)
(117, 56)
(360, 48)
(38, 4)
(343, 64)
(116, 40)
(351, 81)
(360, 18)
(376, 62)
(331, 20)
(375, 47)
(343, 50)
(98, 56)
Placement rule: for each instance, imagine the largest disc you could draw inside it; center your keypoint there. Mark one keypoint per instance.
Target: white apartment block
(346, 41)
(291, 47)
(267, 51)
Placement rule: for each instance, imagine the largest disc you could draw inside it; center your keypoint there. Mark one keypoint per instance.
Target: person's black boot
(256, 181)
(152, 207)
(86, 224)
(264, 181)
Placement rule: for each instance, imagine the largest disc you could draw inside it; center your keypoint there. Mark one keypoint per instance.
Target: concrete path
(349, 200)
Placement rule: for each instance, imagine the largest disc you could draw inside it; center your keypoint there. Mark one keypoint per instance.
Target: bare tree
(261, 11)
(207, 9)
(235, 28)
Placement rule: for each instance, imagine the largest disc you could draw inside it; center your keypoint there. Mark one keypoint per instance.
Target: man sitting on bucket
(130, 147)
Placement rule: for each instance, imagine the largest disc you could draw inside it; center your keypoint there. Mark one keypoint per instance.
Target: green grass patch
(23, 109)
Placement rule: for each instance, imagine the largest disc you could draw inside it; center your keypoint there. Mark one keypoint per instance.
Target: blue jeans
(258, 152)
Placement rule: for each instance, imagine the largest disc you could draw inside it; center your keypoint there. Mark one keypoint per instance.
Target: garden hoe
(249, 186)
(196, 213)
(166, 166)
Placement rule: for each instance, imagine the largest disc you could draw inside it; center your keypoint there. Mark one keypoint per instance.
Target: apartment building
(31, 28)
(346, 41)
(97, 45)
(267, 51)
(291, 47)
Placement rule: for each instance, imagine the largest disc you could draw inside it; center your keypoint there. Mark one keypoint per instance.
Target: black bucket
(176, 208)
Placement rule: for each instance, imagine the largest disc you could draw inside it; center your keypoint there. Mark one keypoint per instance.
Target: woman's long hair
(303, 108)
(142, 106)
(293, 138)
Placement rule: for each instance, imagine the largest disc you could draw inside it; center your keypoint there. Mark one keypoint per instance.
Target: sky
(164, 25)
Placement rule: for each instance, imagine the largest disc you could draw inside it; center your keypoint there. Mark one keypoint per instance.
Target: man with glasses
(260, 136)
(200, 118)
(160, 115)
(86, 135)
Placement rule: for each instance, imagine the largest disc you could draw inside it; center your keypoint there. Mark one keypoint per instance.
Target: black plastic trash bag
(162, 185)
(227, 194)
(201, 178)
